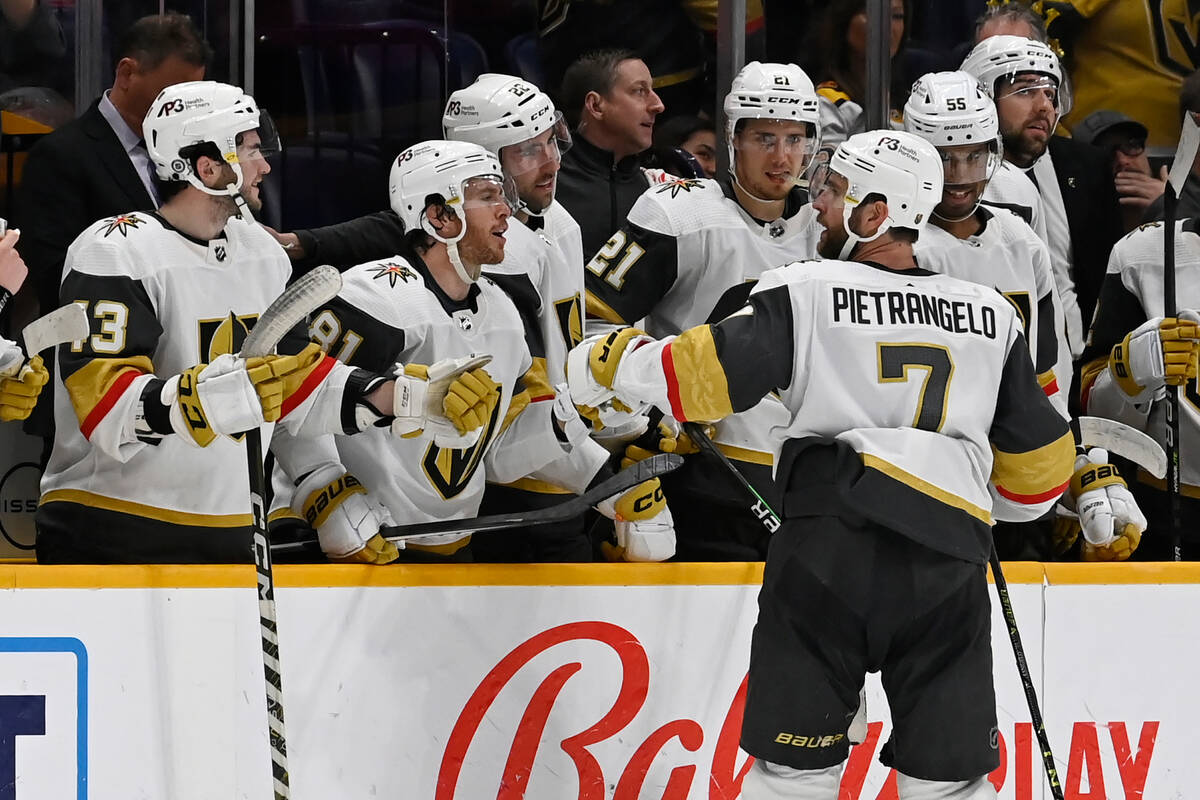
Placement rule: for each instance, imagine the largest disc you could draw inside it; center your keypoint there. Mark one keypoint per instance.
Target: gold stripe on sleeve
(696, 383)
(1033, 475)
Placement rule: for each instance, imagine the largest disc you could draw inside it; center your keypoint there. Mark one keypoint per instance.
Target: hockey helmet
(951, 112)
(445, 173)
(773, 91)
(196, 118)
(899, 165)
(499, 111)
(1007, 56)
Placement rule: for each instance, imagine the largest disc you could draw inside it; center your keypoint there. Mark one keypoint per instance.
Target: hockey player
(969, 240)
(21, 381)
(430, 303)
(914, 419)
(689, 242)
(148, 462)
(1133, 353)
(542, 272)
(996, 248)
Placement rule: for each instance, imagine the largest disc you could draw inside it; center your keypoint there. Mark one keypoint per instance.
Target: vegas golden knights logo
(223, 335)
(1176, 34)
(570, 319)
(450, 470)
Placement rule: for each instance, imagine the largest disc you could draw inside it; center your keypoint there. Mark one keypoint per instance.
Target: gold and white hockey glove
(453, 399)
(1109, 517)
(1160, 351)
(644, 526)
(591, 370)
(19, 389)
(276, 378)
(346, 518)
(208, 400)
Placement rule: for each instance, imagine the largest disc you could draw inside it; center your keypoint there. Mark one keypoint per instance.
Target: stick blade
(1185, 154)
(291, 308)
(1125, 441)
(62, 325)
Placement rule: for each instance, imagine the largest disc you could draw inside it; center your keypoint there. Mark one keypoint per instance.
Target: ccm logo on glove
(644, 502)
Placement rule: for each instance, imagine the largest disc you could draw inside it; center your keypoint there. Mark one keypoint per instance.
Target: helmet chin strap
(460, 269)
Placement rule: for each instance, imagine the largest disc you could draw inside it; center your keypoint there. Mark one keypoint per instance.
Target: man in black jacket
(97, 166)
(610, 102)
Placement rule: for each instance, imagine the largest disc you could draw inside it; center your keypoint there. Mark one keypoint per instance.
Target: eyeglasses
(1133, 146)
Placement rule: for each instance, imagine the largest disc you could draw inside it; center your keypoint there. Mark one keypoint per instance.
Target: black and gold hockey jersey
(160, 302)
(926, 376)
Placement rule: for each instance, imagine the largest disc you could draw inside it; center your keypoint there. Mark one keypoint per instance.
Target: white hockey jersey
(1008, 256)
(391, 311)
(1131, 294)
(161, 302)
(688, 254)
(925, 376)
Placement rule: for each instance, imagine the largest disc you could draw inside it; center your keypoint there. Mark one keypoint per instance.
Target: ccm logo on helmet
(791, 100)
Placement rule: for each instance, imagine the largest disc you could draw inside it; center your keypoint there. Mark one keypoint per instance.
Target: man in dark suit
(97, 166)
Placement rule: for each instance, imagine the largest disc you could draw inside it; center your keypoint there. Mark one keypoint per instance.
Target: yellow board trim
(297, 576)
(601, 310)
(926, 488)
(150, 512)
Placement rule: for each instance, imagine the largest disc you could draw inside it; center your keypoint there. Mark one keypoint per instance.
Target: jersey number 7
(895, 359)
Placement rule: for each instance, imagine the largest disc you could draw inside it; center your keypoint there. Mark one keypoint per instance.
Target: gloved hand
(347, 519)
(644, 526)
(19, 391)
(1109, 517)
(591, 369)
(276, 378)
(666, 437)
(453, 398)
(567, 417)
(212, 399)
(1159, 351)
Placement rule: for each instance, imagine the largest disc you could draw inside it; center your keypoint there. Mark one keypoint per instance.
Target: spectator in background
(842, 43)
(1129, 56)
(97, 165)
(608, 99)
(1189, 198)
(32, 48)
(694, 136)
(1124, 140)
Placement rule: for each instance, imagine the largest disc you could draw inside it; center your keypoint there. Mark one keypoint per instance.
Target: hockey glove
(277, 378)
(644, 526)
(347, 519)
(19, 393)
(1111, 521)
(567, 417)
(454, 398)
(591, 370)
(667, 437)
(212, 399)
(1159, 351)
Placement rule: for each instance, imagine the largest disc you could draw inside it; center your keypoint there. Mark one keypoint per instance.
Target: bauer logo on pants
(43, 718)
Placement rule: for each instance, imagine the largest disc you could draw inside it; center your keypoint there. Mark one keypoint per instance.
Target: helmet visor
(264, 145)
(790, 142)
(484, 191)
(828, 183)
(534, 153)
(1033, 87)
(969, 163)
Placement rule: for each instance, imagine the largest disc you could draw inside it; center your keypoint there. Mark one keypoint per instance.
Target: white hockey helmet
(773, 91)
(441, 172)
(899, 165)
(187, 116)
(498, 111)
(1007, 56)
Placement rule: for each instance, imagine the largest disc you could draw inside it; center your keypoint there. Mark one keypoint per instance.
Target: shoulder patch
(679, 185)
(393, 271)
(122, 224)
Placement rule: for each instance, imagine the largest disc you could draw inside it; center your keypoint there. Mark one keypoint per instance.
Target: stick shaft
(1170, 309)
(761, 509)
(1014, 638)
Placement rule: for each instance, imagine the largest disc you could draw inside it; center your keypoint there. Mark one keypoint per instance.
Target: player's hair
(153, 39)
(592, 72)
(1013, 12)
(1189, 94)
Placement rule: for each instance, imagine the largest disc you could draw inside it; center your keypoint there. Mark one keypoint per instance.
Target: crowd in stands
(1084, 138)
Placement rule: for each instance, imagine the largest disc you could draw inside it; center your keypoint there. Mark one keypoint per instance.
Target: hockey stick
(1181, 167)
(288, 310)
(761, 509)
(624, 480)
(1014, 638)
